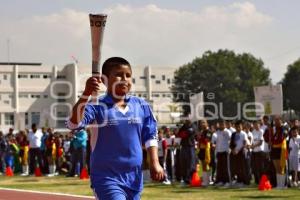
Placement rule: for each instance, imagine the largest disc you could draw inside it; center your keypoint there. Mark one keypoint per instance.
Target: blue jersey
(116, 156)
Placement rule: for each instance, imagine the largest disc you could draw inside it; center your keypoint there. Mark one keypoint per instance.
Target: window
(26, 119)
(23, 95)
(6, 102)
(45, 96)
(142, 77)
(155, 95)
(45, 76)
(4, 76)
(37, 96)
(168, 81)
(163, 77)
(33, 76)
(157, 81)
(61, 114)
(61, 77)
(35, 118)
(133, 80)
(61, 123)
(153, 76)
(20, 76)
(9, 119)
(61, 97)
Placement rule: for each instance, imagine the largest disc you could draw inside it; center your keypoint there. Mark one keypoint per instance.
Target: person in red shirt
(204, 144)
(51, 153)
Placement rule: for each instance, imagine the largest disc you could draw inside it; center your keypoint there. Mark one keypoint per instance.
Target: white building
(35, 93)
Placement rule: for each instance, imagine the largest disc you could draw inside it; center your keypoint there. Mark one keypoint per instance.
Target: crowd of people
(52, 153)
(232, 154)
(228, 153)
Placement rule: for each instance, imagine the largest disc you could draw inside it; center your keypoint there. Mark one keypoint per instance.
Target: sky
(157, 33)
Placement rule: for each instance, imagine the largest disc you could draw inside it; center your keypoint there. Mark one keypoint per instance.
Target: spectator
(3, 151)
(294, 155)
(79, 143)
(222, 150)
(23, 153)
(35, 142)
(187, 134)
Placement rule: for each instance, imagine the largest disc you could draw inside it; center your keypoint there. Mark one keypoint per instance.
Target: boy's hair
(113, 62)
(239, 122)
(221, 121)
(294, 129)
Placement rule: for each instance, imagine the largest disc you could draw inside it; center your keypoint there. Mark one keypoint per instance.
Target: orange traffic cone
(37, 172)
(9, 171)
(264, 183)
(196, 180)
(84, 173)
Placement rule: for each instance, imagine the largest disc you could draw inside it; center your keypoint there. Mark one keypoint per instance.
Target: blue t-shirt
(117, 155)
(80, 139)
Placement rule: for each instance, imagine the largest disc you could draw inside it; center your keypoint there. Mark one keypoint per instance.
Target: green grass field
(152, 191)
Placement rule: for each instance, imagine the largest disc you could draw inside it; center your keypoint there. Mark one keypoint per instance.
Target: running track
(12, 194)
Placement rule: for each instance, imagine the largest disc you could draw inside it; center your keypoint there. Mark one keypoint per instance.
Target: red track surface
(22, 195)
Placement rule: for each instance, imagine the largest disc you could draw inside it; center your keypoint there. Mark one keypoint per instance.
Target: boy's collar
(109, 100)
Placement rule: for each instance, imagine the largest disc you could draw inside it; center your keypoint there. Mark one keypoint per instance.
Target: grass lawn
(151, 191)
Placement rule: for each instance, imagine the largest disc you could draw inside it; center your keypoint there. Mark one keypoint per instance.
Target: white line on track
(49, 193)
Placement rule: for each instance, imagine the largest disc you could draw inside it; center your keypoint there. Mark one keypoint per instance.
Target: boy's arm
(92, 84)
(78, 109)
(156, 171)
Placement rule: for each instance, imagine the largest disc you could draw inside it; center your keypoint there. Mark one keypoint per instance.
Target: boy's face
(238, 127)
(256, 125)
(294, 133)
(222, 125)
(119, 81)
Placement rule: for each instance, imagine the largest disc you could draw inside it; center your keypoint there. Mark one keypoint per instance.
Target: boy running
(124, 124)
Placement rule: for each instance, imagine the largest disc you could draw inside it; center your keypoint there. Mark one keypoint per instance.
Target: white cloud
(145, 35)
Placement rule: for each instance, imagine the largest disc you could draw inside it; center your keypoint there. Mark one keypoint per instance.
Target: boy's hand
(92, 85)
(157, 172)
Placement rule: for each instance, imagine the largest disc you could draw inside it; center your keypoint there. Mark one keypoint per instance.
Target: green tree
(290, 87)
(227, 77)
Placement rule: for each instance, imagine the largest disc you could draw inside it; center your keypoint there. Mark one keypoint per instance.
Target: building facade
(35, 93)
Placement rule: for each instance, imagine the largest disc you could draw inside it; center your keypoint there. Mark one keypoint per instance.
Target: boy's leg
(111, 192)
(219, 169)
(132, 194)
(31, 161)
(40, 159)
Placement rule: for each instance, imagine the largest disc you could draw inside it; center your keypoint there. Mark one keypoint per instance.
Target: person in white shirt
(294, 155)
(237, 157)
(264, 127)
(247, 126)
(213, 153)
(35, 141)
(222, 150)
(230, 127)
(258, 154)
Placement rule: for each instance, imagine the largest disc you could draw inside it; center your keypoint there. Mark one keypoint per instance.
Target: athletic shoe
(166, 182)
(227, 185)
(219, 184)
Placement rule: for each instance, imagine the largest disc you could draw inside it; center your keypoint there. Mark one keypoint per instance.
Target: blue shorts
(115, 192)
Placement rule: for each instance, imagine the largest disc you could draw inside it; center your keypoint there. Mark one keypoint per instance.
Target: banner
(271, 98)
(197, 107)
